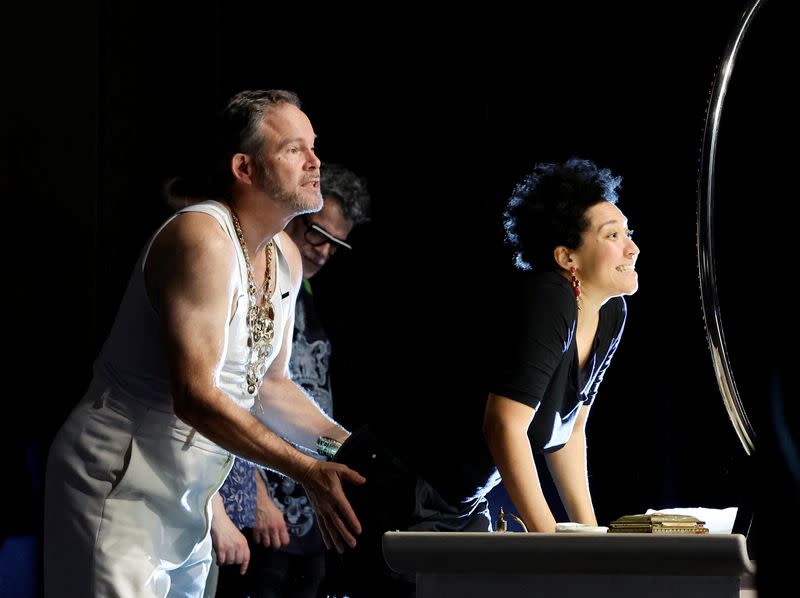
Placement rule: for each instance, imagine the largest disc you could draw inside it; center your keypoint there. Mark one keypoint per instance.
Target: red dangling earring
(576, 286)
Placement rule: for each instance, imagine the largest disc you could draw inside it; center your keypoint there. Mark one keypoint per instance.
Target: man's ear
(561, 255)
(243, 168)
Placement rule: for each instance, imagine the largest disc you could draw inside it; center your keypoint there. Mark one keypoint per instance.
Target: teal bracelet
(327, 447)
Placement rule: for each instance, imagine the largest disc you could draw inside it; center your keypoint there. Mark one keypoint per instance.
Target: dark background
(108, 100)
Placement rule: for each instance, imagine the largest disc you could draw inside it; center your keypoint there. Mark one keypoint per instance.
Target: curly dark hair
(348, 188)
(548, 209)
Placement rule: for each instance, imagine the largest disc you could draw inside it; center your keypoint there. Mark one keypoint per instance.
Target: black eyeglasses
(316, 235)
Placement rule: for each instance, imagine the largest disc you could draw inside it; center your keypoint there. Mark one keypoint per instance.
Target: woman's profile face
(606, 260)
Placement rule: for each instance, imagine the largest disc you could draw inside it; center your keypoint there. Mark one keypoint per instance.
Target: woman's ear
(562, 257)
(242, 168)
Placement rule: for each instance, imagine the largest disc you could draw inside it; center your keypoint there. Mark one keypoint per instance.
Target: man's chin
(312, 202)
(303, 202)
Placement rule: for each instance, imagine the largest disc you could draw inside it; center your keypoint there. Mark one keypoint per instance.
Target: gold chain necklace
(260, 316)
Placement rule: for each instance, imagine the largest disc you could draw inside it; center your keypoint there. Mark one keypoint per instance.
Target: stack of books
(657, 523)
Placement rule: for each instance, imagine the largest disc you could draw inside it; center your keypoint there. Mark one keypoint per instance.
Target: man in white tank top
(195, 366)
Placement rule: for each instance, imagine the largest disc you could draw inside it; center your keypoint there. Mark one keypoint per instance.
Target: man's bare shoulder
(192, 242)
(194, 234)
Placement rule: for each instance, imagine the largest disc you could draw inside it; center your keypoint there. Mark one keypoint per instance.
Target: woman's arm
(505, 428)
(568, 467)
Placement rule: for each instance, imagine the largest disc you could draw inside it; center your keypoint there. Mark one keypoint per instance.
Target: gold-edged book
(657, 523)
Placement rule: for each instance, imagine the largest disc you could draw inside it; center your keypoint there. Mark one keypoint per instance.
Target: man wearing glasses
(279, 534)
(317, 243)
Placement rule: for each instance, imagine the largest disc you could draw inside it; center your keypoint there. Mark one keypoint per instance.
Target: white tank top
(133, 358)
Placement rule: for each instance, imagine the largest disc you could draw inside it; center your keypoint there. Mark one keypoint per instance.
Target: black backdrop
(107, 101)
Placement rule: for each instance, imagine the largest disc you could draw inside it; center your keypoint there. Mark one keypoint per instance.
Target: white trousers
(127, 502)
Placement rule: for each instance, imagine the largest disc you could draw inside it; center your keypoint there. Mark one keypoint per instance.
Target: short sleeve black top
(537, 360)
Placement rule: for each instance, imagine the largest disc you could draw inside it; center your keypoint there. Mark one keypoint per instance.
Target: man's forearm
(294, 415)
(234, 429)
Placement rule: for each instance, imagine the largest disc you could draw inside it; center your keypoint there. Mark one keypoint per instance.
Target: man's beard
(297, 201)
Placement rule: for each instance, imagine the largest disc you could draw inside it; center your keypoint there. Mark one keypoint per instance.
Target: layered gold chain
(260, 315)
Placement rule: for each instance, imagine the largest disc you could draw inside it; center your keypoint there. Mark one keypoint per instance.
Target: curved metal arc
(705, 235)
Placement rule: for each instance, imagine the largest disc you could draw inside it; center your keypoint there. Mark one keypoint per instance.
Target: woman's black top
(537, 358)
